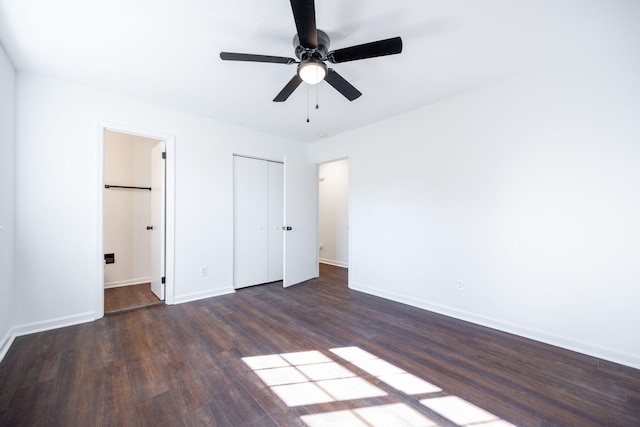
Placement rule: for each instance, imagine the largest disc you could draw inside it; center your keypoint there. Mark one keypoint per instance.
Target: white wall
(57, 162)
(527, 191)
(7, 196)
(127, 212)
(333, 220)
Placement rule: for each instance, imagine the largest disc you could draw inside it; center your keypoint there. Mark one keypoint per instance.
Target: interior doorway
(333, 213)
(133, 221)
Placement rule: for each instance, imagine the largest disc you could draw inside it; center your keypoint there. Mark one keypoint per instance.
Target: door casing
(169, 139)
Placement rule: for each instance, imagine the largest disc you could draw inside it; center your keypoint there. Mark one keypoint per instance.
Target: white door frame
(337, 159)
(169, 209)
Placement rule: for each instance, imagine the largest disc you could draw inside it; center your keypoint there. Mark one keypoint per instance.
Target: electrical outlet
(204, 271)
(459, 285)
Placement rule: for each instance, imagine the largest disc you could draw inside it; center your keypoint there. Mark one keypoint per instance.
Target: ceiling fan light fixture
(312, 71)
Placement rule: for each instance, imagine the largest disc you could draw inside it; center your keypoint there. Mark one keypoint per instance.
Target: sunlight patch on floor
(385, 371)
(309, 378)
(335, 418)
(396, 414)
(280, 376)
(265, 362)
(301, 394)
(351, 388)
(305, 357)
(462, 412)
(326, 371)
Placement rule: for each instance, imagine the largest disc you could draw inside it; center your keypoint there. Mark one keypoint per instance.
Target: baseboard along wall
(630, 360)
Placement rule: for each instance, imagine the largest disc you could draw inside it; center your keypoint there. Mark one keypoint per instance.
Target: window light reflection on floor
(335, 418)
(325, 371)
(350, 388)
(395, 414)
(385, 371)
(462, 412)
(312, 378)
(301, 394)
(281, 376)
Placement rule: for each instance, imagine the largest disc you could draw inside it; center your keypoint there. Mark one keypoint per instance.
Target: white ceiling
(167, 52)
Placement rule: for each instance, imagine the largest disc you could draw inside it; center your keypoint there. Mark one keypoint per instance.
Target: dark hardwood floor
(315, 354)
(129, 298)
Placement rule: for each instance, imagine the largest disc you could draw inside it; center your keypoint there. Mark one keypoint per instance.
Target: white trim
(170, 181)
(46, 325)
(258, 158)
(5, 343)
(180, 299)
(333, 262)
(128, 282)
(523, 331)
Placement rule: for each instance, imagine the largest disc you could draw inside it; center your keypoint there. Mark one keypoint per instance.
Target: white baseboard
(334, 263)
(47, 325)
(6, 342)
(534, 334)
(31, 328)
(127, 282)
(179, 299)
(60, 322)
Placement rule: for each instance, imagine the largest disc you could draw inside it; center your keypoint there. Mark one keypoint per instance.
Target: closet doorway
(333, 213)
(258, 221)
(134, 221)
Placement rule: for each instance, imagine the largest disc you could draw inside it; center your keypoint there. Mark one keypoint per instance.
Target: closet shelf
(126, 186)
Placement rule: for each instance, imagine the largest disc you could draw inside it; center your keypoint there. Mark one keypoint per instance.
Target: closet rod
(126, 186)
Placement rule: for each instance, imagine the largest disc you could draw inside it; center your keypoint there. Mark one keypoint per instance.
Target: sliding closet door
(250, 204)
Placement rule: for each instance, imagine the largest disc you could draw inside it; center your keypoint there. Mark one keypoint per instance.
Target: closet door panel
(251, 241)
(276, 220)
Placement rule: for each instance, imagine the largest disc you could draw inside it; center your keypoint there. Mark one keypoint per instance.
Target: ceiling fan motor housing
(320, 52)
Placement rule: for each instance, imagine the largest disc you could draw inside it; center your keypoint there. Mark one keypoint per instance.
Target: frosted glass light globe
(312, 71)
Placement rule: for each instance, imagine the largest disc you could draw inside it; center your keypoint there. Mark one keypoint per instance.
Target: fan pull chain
(307, 103)
(317, 97)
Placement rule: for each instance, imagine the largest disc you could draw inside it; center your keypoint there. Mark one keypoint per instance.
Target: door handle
(287, 228)
(149, 227)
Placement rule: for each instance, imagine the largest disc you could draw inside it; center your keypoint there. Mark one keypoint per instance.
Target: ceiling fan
(312, 50)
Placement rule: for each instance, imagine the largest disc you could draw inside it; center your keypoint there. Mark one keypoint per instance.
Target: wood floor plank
(189, 391)
(148, 378)
(240, 408)
(113, 395)
(183, 365)
(206, 416)
(159, 410)
(30, 405)
(129, 297)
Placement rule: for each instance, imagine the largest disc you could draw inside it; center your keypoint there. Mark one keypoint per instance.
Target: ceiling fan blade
(304, 13)
(368, 50)
(341, 85)
(288, 89)
(231, 56)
